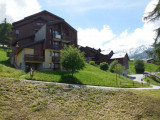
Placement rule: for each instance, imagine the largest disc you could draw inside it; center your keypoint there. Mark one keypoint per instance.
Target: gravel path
(138, 77)
(135, 78)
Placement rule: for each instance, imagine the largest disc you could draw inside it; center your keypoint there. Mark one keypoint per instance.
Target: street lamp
(116, 74)
(17, 46)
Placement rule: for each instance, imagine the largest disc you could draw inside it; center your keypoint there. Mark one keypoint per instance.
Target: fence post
(133, 83)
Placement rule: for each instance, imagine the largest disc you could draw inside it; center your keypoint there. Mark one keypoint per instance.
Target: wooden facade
(92, 54)
(37, 38)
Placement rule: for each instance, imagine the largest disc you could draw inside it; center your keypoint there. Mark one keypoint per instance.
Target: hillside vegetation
(90, 75)
(21, 100)
(148, 67)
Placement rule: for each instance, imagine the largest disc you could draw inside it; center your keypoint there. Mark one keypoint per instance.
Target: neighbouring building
(38, 39)
(99, 56)
(151, 60)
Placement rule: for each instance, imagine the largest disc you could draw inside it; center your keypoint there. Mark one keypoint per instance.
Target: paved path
(138, 77)
(96, 87)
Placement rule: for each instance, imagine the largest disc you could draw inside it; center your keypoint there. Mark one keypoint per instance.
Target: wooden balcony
(59, 47)
(61, 37)
(33, 58)
(55, 59)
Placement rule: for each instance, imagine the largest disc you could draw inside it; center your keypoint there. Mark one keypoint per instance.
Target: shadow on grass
(69, 79)
(6, 63)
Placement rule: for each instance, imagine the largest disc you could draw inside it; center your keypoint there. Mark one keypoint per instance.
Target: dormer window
(17, 32)
(39, 24)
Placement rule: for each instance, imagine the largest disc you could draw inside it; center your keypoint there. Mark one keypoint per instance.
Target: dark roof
(30, 44)
(33, 43)
(28, 21)
(22, 38)
(61, 21)
(36, 14)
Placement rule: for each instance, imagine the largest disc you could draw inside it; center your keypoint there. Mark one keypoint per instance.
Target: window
(55, 54)
(50, 53)
(55, 44)
(50, 30)
(49, 65)
(17, 32)
(39, 24)
(64, 44)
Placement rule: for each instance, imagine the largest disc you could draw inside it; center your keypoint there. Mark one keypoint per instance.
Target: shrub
(92, 63)
(104, 66)
(112, 66)
(139, 65)
(120, 69)
(72, 59)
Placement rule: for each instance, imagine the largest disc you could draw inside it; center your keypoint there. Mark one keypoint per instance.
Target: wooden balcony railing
(61, 37)
(56, 59)
(36, 58)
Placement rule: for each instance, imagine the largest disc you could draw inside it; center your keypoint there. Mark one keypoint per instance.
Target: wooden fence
(134, 84)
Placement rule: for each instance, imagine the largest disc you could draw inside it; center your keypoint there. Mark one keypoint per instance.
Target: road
(138, 77)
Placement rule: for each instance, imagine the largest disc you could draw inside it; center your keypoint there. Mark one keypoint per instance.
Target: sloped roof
(37, 14)
(106, 52)
(120, 55)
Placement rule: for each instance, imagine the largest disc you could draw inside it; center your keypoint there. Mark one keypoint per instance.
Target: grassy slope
(151, 81)
(148, 67)
(6, 69)
(24, 100)
(90, 75)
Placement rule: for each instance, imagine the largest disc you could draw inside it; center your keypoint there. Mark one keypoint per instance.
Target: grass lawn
(90, 75)
(25, 100)
(151, 81)
(148, 67)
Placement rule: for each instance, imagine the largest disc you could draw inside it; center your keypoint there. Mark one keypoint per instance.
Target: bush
(112, 66)
(72, 59)
(92, 63)
(104, 66)
(139, 66)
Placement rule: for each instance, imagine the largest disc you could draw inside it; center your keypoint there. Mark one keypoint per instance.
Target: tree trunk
(72, 73)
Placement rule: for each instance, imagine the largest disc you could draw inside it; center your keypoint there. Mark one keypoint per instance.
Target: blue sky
(118, 14)
(107, 24)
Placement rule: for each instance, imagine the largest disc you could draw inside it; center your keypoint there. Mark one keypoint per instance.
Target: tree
(152, 17)
(139, 65)
(104, 66)
(72, 59)
(5, 30)
(120, 69)
(112, 66)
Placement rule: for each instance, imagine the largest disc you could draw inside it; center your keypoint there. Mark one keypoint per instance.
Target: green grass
(158, 74)
(148, 67)
(28, 101)
(151, 81)
(90, 75)
(6, 69)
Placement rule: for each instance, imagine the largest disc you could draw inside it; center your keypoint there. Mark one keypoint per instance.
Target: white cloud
(140, 36)
(15, 10)
(93, 37)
